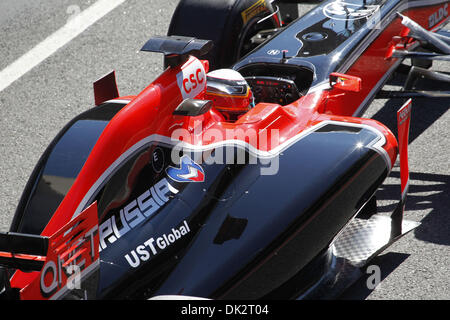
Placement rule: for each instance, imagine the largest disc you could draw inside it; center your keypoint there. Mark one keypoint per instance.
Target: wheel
(230, 24)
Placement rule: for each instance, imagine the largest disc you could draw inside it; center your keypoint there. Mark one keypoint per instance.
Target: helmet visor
(227, 87)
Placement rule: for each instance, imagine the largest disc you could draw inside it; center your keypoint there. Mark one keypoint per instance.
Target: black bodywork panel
(233, 219)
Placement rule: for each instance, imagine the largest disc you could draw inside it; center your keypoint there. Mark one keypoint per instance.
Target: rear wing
(23, 251)
(66, 261)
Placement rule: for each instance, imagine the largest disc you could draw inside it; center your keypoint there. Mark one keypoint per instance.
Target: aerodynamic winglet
(177, 49)
(106, 88)
(403, 125)
(22, 251)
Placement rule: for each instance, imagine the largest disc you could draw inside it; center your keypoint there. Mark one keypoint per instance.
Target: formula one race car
(244, 171)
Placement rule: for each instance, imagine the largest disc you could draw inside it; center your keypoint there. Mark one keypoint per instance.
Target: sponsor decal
(134, 213)
(251, 12)
(189, 171)
(158, 160)
(153, 246)
(192, 79)
(67, 266)
(71, 257)
(349, 11)
(273, 52)
(438, 16)
(404, 113)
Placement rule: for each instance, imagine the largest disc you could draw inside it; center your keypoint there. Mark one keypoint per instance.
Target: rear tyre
(230, 24)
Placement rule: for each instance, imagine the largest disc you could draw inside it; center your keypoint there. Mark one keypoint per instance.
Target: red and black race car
(244, 171)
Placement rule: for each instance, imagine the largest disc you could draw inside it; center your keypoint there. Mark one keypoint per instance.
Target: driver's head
(230, 93)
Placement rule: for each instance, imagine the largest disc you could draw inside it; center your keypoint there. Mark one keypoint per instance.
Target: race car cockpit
(277, 83)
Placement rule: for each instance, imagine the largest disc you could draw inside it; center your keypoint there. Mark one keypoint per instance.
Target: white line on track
(61, 37)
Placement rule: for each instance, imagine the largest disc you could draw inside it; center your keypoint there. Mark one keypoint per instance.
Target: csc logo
(191, 79)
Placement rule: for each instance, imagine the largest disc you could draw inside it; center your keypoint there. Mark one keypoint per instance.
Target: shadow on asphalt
(434, 195)
(426, 191)
(424, 113)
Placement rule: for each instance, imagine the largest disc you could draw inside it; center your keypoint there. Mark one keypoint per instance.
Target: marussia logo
(189, 171)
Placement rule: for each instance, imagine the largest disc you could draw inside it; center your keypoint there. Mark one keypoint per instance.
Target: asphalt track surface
(40, 102)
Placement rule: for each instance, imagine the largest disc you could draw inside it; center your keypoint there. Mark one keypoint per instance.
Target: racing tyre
(230, 24)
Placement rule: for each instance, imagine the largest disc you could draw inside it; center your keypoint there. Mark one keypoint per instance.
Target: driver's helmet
(230, 93)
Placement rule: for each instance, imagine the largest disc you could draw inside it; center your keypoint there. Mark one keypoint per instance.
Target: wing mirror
(193, 107)
(345, 82)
